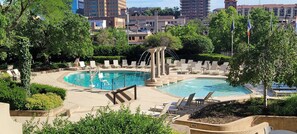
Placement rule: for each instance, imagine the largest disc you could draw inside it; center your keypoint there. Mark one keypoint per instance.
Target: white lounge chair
(124, 63)
(82, 64)
(177, 65)
(158, 114)
(133, 64)
(116, 64)
(106, 64)
(208, 98)
(142, 64)
(213, 70)
(224, 69)
(183, 61)
(9, 73)
(197, 68)
(190, 61)
(169, 61)
(206, 65)
(174, 107)
(16, 72)
(93, 64)
(184, 69)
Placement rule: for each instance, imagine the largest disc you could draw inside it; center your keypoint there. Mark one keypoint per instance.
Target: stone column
(163, 60)
(158, 62)
(153, 77)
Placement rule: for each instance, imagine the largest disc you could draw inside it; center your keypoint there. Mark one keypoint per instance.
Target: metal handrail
(122, 90)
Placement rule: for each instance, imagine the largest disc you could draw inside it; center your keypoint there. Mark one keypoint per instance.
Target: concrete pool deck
(82, 101)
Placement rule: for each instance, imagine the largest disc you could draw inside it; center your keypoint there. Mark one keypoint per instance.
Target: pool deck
(82, 101)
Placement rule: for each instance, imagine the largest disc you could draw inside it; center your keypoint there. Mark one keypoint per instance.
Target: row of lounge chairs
(283, 89)
(198, 67)
(114, 65)
(181, 104)
(14, 73)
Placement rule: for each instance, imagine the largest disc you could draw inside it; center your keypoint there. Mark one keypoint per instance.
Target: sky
(213, 3)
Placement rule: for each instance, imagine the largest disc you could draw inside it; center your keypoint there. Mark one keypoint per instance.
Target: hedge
(12, 94)
(43, 89)
(100, 59)
(43, 101)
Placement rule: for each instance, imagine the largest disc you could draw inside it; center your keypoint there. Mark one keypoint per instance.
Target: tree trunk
(265, 94)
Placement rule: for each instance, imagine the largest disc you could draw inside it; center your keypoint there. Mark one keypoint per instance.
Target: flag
(296, 24)
(249, 27)
(232, 26)
(271, 24)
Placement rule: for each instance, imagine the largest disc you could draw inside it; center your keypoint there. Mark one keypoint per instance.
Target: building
(285, 12)
(149, 23)
(104, 8)
(133, 11)
(194, 9)
(229, 3)
(77, 6)
(103, 22)
(138, 37)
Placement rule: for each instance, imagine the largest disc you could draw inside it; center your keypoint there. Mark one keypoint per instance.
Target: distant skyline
(213, 3)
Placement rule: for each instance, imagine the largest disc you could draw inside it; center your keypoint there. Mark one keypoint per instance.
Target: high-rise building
(195, 9)
(78, 6)
(104, 8)
(229, 3)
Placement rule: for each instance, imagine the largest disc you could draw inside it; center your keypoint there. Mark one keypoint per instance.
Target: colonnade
(157, 64)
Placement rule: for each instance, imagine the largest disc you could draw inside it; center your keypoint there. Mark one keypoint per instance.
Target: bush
(5, 76)
(100, 59)
(43, 89)
(12, 94)
(106, 121)
(43, 101)
(196, 44)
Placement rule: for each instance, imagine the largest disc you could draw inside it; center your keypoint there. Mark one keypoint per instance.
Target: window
(282, 12)
(133, 38)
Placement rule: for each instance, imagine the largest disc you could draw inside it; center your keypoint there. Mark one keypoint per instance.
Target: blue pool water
(202, 86)
(118, 78)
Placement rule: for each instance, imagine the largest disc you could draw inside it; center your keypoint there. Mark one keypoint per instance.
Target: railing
(122, 90)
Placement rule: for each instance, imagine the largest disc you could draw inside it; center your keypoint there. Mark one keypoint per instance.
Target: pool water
(202, 86)
(108, 80)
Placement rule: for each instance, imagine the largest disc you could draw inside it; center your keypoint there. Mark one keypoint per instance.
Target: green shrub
(43, 101)
(43, 89)
(5, 76)
(100, 59)
(15, 96)
(196, 44)
(106, 121)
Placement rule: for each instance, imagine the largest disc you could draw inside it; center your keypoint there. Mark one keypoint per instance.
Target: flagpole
(232, 43)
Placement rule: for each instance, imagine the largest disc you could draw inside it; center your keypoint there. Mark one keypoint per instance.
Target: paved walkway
(81, 101)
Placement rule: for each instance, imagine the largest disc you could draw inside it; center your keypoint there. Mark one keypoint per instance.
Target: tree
(111, 36)
(163, 39)
(220, 29)
(192, 28)
(25, 61)
(196, 44)
(272, 59)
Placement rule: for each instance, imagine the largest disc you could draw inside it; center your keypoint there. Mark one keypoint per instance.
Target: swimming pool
(108, 80)
(202, 86)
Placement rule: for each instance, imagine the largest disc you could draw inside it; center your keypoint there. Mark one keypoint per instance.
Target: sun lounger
(184, 69)
(284, 92)
(106, 64)
(169, 61)
(133, 64)
(190, 61)
(174, 107)
(158, 114)
(206, 98)
(213, 69)
(9, 73)
(197, 68)
(224, 69)
(124, 63)
(142, 64)
(183, 61)
(93, 64)
(177, 65)
(175, 62)
(16, 72)
(116, 64)
(82, 65)
(206, 65)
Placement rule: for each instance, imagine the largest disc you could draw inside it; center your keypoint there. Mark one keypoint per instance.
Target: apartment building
(229, 3)
(285, 12)
(104, 8)
(154, 23)
(195, 9)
